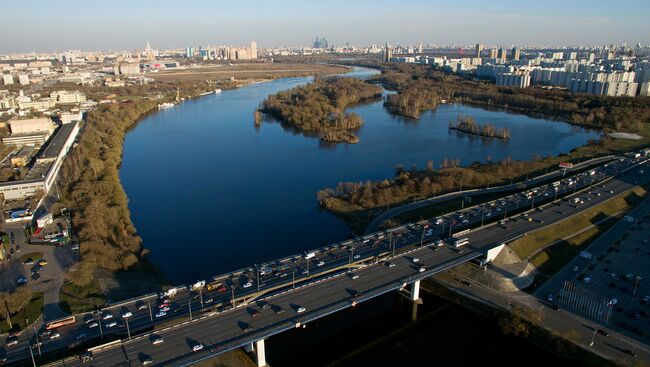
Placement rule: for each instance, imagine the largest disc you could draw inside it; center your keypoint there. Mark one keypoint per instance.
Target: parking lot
(616, 270)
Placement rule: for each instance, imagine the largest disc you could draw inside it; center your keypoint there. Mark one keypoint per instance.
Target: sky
(44, 25)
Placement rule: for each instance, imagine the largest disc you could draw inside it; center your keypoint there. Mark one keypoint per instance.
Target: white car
(161, 314)
(165, 309)
(357, 256)
(197, 347)
(320, 263)
(111, 324)
(301, 309)
(127, 314)
(415, 259)
(157, 340)
(247, 284)
(55, 336)
(93, 325)
(107, 316)
(422, 269)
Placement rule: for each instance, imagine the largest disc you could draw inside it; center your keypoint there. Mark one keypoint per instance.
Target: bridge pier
(260, 354)
(415, 292)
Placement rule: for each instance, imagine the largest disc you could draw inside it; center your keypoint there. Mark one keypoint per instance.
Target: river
(210, 193)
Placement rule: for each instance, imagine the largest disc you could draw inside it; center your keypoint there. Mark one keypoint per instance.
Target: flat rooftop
(56, 142)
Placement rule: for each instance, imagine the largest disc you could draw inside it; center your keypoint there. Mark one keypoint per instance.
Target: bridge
(245, 307)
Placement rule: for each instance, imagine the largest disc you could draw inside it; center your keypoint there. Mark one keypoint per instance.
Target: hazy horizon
(73, 24)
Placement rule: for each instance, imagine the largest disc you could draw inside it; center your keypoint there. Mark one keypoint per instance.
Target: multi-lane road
(323, 283)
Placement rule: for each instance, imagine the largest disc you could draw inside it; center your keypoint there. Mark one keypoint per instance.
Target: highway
(322, 289)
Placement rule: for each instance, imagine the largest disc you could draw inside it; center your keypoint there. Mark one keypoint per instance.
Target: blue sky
(43, 25)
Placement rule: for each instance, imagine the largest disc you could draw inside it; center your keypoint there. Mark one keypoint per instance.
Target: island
(319, 107)
(468, 125)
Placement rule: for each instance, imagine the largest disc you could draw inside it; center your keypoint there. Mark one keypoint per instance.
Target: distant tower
(420, 48)
(479, 49)
(515, 54)
(493, 53)
(388, 53)
(253, 50)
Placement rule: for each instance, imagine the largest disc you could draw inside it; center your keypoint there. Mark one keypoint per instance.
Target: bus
(461, 242)
(60, 323)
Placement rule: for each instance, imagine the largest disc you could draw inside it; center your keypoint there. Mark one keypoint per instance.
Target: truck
(214, 285)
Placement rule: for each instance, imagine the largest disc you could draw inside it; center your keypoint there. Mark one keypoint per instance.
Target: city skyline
(166, 24)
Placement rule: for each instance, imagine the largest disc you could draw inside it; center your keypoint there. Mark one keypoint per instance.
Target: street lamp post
(232, 290)
(150, 313)
(189, 306)
(424, 228)
(38, 345)
(32, 354)
(201, 296)
(128, 330)
(591, 344)
(293, 279)
(636, 283)
(257, 273)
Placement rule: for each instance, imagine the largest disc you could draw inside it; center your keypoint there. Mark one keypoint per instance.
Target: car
(142, 307)
(36, 276)
(29, 261)
(11, 341)
(164, 304)
(93, 325)
(555, 307)
(107, 316)
(247, 284)
(353, 276)
(602, 332)
(21, 281)
(197, 347)
(110, 324)
(550, 297)
(278, 309)
(357, 256)
(266, 306)
(301, 309)
(422, 269)
(86, 357)
(587, 279)
(415, 259)
(146, 360)
(466, 283)
(81, 336)
(36, 268)
(55, 336)
(209, 300)
(42, 262)
(127, 314)
(630, 352)
(165, 309)
(157, 339)
(320, 263)
(390, 264)
(575, 268)
(161, 313)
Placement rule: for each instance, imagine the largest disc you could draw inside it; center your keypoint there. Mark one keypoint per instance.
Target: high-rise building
(189, 52)
(479, 49)
(493, 53)
(23, 79)
(501, 54)
(515, 54)
(7, 79)
(420, 48)
(253, 50)
(388, 53)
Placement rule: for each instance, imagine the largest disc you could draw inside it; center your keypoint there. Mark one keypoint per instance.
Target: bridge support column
(249, 348)
(415, 291)
(260, 353)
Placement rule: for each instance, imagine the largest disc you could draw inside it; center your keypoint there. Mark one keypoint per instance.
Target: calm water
(209, 193)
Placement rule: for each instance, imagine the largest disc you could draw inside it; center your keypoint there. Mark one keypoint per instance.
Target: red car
(221, 289)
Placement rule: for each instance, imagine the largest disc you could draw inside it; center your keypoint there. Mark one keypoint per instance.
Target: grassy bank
(76, 298)
(527, 245)
(32, 312)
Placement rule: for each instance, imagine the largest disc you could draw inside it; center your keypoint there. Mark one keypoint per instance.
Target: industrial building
(48, 163)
